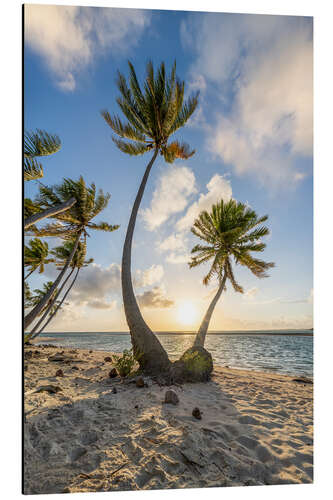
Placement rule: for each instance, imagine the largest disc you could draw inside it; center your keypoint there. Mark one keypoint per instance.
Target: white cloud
(171, 195)
(150, 276)
(94, 284)
(175, 241)
(217, 188)
(251, 293)
(103, 304)
(175, 258)
(154, 299)
(265, 71)
(70, 38)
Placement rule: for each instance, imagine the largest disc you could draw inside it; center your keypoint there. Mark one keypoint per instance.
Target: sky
(252, 132)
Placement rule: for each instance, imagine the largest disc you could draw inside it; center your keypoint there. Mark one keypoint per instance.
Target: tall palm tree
(72, 224)
(36, 254)
(62, 253)
(37, 144)
(232, 232)
(153, 114)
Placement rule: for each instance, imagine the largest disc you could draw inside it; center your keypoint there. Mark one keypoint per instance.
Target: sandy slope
(256, 428)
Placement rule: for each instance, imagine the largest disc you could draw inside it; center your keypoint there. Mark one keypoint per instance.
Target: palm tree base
(195, 365)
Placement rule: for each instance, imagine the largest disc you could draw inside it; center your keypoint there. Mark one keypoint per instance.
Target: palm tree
(27, 295)
(37, 144)
(32, 300)
(153, 114)
(72, 224)
(231, 232)
(39, 293)
(35, 256)
(62, 253)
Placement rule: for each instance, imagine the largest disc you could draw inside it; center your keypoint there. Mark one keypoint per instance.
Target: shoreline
(97, 433)
(305, 333)
(48, 341)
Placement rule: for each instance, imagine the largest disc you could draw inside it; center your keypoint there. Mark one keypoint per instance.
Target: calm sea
(289, 352)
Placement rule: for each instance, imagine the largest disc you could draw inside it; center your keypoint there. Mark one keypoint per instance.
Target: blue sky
(253, 136)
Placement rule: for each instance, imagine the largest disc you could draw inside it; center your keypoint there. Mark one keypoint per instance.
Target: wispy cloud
(70, 38)
(251, 293)
(261, 79)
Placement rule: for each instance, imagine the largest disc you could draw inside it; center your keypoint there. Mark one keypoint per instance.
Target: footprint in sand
(247, 419)
(248, 442)
(263, 453)
(88, 437)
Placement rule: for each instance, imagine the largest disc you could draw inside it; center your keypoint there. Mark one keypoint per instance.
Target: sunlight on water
(278, 353)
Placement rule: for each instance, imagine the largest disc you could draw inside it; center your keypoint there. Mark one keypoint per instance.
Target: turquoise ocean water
(289, 352)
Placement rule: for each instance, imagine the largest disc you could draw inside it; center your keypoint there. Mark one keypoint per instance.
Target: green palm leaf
(230, 230)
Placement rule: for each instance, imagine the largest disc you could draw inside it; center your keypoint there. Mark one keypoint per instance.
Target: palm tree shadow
(128, 440)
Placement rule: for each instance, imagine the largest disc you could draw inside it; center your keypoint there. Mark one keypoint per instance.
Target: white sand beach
(96, 433)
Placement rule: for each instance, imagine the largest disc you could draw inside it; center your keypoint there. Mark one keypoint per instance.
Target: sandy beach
(85, 431)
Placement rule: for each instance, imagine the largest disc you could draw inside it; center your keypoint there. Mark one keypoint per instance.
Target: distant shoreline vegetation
(306, 332)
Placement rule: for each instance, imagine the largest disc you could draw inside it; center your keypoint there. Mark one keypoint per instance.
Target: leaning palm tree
(31, 300)
(62, 253)
(36, 254)
(38, 295)
(153, 114)
(72, 224)
(232, 232)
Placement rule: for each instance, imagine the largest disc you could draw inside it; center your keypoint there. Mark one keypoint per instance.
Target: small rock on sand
(113, 373)
(52, 389)
(196, 413)
(107, 359)
(57, 357)
(139, 382)
(59, 373)
(171, 397)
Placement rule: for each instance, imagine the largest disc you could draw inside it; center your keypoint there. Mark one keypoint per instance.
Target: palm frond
(40, 143)
(32, 169)
(132, 149)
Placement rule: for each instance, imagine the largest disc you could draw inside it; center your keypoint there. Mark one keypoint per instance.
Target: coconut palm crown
(78, 218)
(154, 113)
(231, 231)
(62, 253)
(36, 254)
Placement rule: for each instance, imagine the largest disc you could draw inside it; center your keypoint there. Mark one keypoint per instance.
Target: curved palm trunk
(32, 315)
(58, 306)
(49, 212)
(49, 307)
(27, 276)
(153, 357)
(201, 335)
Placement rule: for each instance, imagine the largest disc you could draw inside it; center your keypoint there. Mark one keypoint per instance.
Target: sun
(186, 313)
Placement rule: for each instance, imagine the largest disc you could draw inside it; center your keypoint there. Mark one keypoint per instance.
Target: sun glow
(186, 313)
